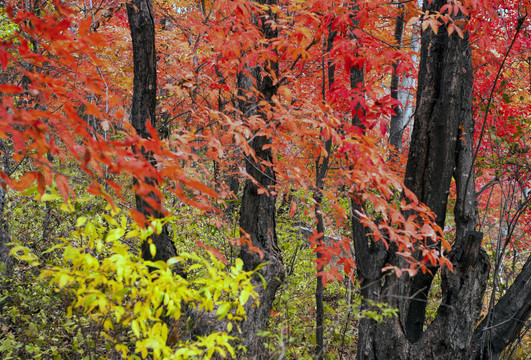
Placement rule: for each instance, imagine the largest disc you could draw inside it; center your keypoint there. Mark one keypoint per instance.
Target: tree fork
(444, 97)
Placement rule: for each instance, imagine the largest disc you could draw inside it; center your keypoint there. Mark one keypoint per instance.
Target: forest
(265, 179)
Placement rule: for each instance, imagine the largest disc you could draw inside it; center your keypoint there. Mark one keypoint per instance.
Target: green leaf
(121, 293)
(223, 310)
(50, 197)
(239, 264)
(244, 296)
(90, 300)
(81, 221)
(115, 234)
(135, 328)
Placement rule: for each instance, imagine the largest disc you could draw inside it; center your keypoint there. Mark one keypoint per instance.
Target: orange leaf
(293, 208)
(4, 58)
(434, 26)
(94, 189)
(203, 188)
(92, 109)
(428, 231)
(412, 21)
(398, 272)
(138, 217)
(245, 239)
(214, 252)
(446, 244)
(84, 26)
(18, 141)
(26, 180)
(62, 185)
(315, 236)
(41, 184)
(261, 191)
(10, 89)
(447, 263)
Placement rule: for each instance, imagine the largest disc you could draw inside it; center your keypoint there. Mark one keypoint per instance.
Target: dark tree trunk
(4, 228)
(319, 287)
(257, 213)
(441, 148)
(370, 255)
(321, 168)
(444, 102)
(142, 26)
(503, 324)
(4, 234)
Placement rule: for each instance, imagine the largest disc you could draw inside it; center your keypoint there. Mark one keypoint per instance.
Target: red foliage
(68, 82)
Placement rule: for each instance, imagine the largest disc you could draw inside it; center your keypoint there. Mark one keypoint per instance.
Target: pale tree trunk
(396, 130)
(257, 212)
(403, 86)
(441, 148)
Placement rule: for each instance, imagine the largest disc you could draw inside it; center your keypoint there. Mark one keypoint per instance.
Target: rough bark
(444, 99)
(321, 168)
(370, 255)
(441, 148)
(319, 287)
(449, 335)
(142, 26)
(257, 212)
(504, 322)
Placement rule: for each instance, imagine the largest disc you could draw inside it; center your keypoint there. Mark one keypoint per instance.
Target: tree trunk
(441, 148)
(142, 26)
(321, 168)
(444, 102)
(404, 94)
(504, 322)
(396, 129)
(257, 213)
(4, 228)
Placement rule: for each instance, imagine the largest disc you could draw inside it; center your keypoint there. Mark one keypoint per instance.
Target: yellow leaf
(135, 328)
(152, 249)
(223, 309)
(244, 296)
(81, 221)
(239, 264)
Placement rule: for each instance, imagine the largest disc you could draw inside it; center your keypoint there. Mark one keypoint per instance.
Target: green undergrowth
(80, 290)
(88, 295)
(292, 325)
